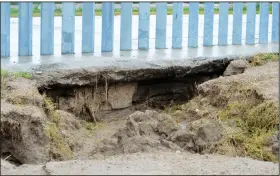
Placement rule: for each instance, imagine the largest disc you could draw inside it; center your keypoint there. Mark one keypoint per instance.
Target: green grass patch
(6, 73)
(92, 126)
(22, 75)
(261, 59)
(98, 12)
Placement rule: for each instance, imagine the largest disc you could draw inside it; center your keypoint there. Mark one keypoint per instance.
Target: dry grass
(21, 74)
(258, 121)
(17, 100)
(60, 149)
(4, 75)
(51, 107)
(246, 144)
(91, 127)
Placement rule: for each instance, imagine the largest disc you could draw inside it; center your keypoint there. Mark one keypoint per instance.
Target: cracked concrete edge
(45, 75)
(113, 63)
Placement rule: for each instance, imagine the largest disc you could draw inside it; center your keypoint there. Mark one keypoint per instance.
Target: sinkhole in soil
(104, 99)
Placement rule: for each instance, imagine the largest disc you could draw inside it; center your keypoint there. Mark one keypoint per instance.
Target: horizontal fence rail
(47, 14)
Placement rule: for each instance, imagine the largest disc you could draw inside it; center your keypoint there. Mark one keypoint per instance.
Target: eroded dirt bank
(219, 108)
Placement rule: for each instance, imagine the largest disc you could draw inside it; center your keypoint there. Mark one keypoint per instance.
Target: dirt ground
(189, 138)
(163, 163)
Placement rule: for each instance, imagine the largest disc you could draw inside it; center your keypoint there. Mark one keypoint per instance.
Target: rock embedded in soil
(199, 136)
(272, 142)
(236, 67)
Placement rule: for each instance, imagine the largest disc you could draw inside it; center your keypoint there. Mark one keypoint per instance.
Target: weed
(59, 146)
(252, 117)
(90, 126)
(246, 144)
(4, 75)
(172, 107)
(50, 107)
(257, 121)
(22, 75)
(261, 59)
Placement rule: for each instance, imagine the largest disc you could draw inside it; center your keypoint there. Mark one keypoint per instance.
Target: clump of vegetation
(257, 122)
(261, 59)
(91, 126)
(248, 144)
(172, 108)
(51, 107)
(60, 149)
(21, 74)
(4, 75)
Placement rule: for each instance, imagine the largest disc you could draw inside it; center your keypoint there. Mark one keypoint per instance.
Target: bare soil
(102, 125)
